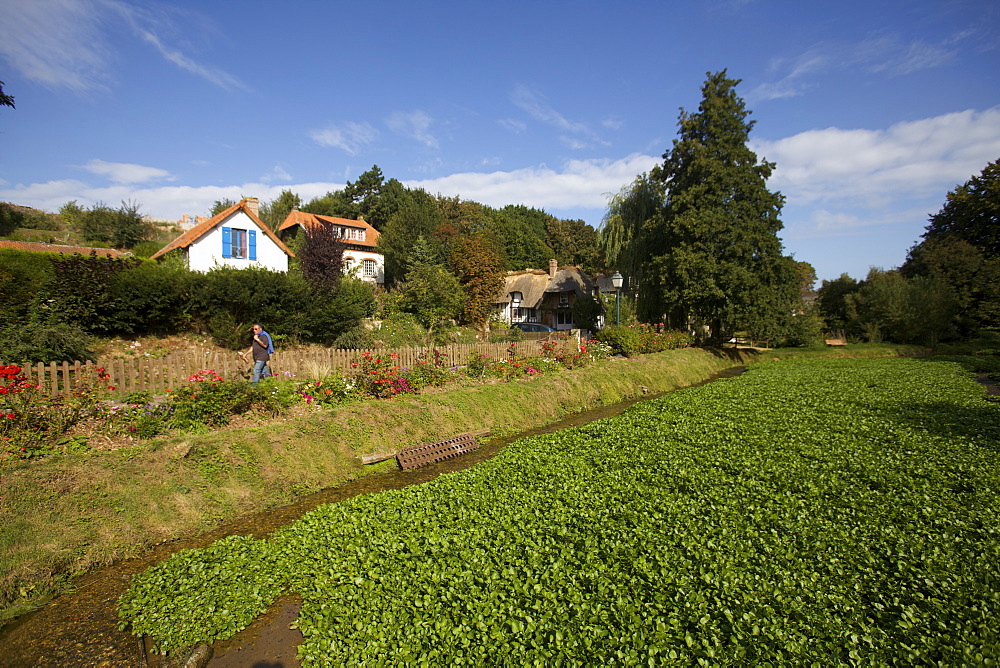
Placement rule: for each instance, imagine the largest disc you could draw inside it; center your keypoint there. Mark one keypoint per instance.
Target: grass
(63, 516)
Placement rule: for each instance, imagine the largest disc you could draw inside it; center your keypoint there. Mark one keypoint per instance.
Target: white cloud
(413, 124)
(580, 184)
(55, 42)
(351, 137)
(883, 55)
(908, 159)
(579, 134)
(213, 75)
(278, 173)
(121, 172)
(69, 43)
(513, 125)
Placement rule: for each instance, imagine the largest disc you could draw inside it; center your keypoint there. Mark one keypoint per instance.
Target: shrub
(22, 275)
(45, 342)
(283, 392)
(643, 338)
(379, 377)
(33, 425)
(623, 340)
(330, 392)
(428, 372)
(139, 419)
(211, 401)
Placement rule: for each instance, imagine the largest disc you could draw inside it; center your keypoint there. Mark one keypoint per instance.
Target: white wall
(206, 252)
(357, 257)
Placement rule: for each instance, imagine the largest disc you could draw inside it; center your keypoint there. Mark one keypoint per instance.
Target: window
(369, 268)
(564, 318)
(524, 315)
(563, 299)
(239, 244)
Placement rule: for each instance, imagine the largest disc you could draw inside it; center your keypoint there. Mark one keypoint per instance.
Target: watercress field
(837, 511)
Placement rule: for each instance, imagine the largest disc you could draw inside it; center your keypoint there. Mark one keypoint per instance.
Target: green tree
(371, 197)
(888, 307)
(574, 243)
(972, 213)
(521, 232)
(417, 217)
(273, 213)
(220, 205)
(72, 214)
(961, 247)
(973, 277)
(480, 271)
(833, 305)
(637, 206)
(433, 294)
(120, 228)
(714, 254)
(5, 100)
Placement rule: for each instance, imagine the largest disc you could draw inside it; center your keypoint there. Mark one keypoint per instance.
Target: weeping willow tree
(622, 239)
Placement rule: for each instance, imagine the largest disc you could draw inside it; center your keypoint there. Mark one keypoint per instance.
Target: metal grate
(436, 451)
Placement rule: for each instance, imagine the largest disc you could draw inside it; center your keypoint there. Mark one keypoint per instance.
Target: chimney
(553, 267)
(253, 204)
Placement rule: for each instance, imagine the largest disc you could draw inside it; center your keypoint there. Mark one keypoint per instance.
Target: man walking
(261, 348)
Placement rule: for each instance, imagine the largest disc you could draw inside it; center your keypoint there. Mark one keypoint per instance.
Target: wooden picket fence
(159, 376)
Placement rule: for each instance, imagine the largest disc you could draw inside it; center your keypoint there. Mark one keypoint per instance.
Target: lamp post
(616, 281)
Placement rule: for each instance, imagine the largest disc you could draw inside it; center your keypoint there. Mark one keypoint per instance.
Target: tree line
(949, 285)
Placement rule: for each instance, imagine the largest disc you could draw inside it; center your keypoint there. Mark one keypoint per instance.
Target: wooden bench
(836, 342)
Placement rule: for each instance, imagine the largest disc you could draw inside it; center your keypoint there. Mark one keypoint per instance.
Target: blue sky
(872, 110)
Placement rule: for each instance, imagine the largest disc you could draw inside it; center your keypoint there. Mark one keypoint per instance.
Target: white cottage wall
(206, 252)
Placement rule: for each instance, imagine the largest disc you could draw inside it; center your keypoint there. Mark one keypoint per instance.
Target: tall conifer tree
(714, 255)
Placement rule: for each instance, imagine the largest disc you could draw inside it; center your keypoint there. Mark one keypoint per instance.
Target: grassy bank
(63, 516)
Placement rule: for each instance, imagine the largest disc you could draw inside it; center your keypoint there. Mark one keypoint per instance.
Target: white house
(235, 237)
(361, 240)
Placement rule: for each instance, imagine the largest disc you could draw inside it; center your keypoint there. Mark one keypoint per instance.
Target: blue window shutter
(253, 245)
(227, 243)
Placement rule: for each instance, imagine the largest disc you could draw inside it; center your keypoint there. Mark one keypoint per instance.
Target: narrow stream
(81, 628)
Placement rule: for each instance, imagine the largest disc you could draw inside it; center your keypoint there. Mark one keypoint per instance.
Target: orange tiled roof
(39, 247)
(201, 229)
(311, 220)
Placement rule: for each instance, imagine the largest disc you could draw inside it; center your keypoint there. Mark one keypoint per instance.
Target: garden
(89, 416)
(33, 425)
(827, 511)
